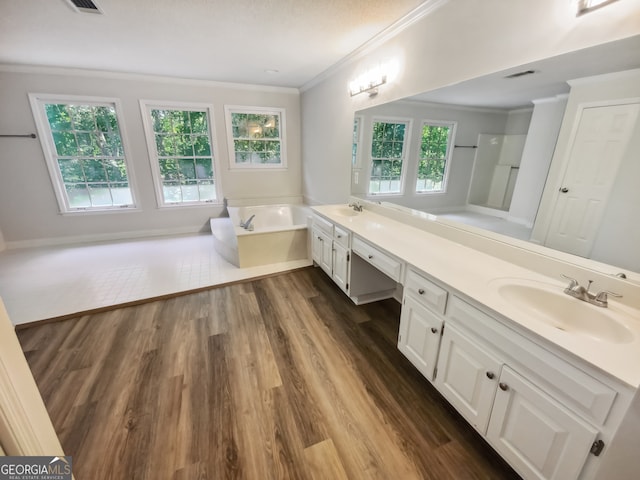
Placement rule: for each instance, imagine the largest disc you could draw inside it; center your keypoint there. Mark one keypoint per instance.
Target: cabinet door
(536, 434)
(467, 377)
(340, 266)
(316, 245)
(321, 246)
(419, 336)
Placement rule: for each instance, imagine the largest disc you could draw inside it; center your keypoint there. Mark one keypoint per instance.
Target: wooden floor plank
(281, 377)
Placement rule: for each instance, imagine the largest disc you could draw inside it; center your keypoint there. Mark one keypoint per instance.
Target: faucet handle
(574, 283)
(602, 296)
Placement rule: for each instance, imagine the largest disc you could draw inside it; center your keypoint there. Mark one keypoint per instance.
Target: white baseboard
(102, 237)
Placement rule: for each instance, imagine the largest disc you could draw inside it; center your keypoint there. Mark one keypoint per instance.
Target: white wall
(28, 209)
(461, 39)
(470, 123)
(536, 158)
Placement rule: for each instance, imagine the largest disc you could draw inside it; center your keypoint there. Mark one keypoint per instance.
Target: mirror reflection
(544, 152)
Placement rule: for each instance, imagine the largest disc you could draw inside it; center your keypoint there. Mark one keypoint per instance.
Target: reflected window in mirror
(435, 154)
(388, 145)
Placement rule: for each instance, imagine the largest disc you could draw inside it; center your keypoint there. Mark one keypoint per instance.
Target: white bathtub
(279, 235)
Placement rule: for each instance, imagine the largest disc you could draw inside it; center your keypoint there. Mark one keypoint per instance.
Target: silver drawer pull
(421, 291)
(434, 330)
(503, 386)
(370, 257)
(339, 236)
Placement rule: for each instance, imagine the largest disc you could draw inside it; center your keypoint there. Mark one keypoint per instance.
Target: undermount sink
(549, 304)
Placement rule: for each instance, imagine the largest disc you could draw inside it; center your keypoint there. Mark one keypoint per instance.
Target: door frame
(25, 426)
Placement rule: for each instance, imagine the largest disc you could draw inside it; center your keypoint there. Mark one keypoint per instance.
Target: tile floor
(41, 283)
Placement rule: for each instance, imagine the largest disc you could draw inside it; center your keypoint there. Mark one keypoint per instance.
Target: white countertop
(474, 274)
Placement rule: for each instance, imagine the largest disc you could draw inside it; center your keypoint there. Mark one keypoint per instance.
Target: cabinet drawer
(425, 291)
(341, 236)
(379, 259)
(574, 388)
(322, 224)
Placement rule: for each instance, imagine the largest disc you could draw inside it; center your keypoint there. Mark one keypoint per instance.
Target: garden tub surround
(278, 233)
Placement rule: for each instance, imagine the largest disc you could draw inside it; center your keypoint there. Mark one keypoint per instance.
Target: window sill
(96, 211)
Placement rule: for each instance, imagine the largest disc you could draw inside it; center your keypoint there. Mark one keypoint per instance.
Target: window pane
(199, 122)
(82, 117)
(71, 171)
(201, 146)
(94, 171)
(66, 145)
(121, 194)
(78, 195)
(207, 191)
(116, 170)
(100, 194)
(204, 168)
(190, 191)
(58, 117)
(172, 193)
(187, 168)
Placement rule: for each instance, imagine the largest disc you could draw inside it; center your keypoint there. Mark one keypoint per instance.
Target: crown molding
(80, 72)
(377, 40)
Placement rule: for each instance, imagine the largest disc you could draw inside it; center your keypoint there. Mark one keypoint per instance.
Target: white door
(419, 336)
(321, 246)
(538, 436)
(340, 266)
(598, 147)
(468, 377)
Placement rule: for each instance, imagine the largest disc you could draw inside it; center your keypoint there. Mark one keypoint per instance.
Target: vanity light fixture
(368, 82)
(586, 6)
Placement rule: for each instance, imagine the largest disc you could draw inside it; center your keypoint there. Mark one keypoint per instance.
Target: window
(84, 148)
(387, 154)
(435, 148)
(182, 160)
(256, 137)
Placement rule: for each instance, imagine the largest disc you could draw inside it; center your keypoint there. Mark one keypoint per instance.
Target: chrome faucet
(247, 225)
(575, 290)
(356, 206)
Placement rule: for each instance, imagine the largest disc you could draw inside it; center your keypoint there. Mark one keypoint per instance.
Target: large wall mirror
(519, 153)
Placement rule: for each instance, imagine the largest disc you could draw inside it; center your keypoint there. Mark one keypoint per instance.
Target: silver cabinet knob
(564, 190)
(434, 330)
(503, 386)
(421, 291)
(490, 375)
(370, 257)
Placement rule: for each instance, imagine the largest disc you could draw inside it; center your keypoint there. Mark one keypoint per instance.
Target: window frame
(38, 102)
(406, 145)
(145, 108)
(453, 125)
(229, 110)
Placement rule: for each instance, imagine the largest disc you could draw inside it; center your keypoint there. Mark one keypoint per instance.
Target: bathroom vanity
(546, 379)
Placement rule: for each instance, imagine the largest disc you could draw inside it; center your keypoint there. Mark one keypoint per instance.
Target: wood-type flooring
(277, 378)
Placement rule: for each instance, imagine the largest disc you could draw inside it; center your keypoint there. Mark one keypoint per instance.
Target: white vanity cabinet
(330, 250)
(539, 412)
(421, 322)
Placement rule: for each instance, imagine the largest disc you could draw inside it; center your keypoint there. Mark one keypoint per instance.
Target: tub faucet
(247, 225)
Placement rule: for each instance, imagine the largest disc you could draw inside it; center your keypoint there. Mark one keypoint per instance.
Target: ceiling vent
(84, 6)
(521, 74)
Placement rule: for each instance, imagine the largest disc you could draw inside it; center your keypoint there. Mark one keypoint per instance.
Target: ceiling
(550, 77)
(240, 41)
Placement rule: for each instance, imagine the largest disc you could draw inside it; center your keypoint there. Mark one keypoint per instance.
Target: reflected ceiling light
(586, 6)
(368, 82)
